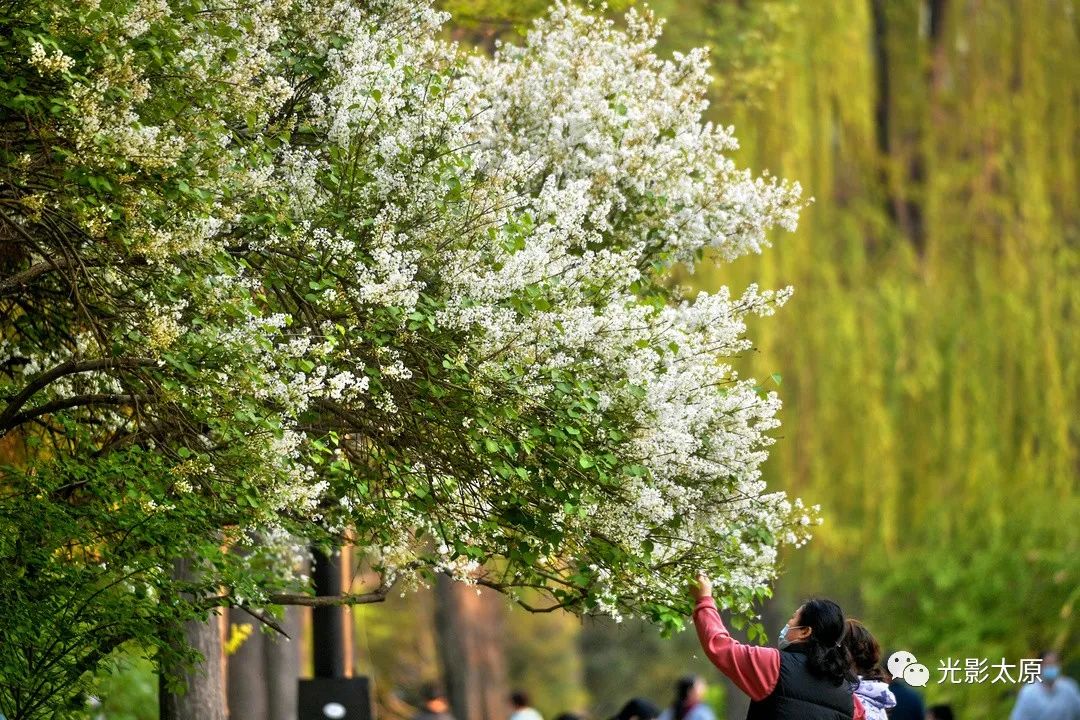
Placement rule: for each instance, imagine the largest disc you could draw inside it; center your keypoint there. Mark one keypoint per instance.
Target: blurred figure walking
(1055, 698)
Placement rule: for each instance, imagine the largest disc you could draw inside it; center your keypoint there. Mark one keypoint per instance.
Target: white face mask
(783, 642)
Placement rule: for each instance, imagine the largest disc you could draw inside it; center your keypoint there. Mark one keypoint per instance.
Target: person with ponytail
(808, 676)
(688, 705)
(873, 688)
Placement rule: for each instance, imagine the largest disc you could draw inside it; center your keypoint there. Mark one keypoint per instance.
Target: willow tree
(305, 270)
(929, 384)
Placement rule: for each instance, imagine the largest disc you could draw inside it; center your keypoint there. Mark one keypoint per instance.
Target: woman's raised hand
(701, 587)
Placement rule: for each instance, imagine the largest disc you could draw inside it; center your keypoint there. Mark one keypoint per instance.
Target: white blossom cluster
(600, 153)
(526, 205)
(46, 63)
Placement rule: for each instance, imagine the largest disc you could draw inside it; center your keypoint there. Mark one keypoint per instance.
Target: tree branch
(301, 599)
(266, 620)
(71, 367)
(375, 596)
(66, 403)
(20, 280)
(504, 588)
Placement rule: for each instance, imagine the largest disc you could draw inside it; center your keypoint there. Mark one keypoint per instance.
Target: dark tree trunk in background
(247, 677)
(470, 638)
(204, 698)
(901, 116)
(263, 672)
(282, 662)
(882, 105)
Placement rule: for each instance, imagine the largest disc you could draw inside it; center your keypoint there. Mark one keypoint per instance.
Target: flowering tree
(304, 269)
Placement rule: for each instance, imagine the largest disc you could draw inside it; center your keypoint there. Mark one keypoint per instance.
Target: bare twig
(265, 620)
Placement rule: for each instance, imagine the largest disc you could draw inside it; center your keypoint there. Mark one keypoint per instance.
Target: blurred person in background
(435, 705)
(523, 710)
(637, 709)
(1056, 697)
(940, 712)
(688, 705)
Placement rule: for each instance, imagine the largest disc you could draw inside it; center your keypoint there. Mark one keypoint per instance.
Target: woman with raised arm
(808, 676)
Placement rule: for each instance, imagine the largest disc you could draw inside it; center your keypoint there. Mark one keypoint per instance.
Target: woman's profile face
(796, 632)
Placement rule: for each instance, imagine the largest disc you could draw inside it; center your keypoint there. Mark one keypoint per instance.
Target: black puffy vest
(798, 695)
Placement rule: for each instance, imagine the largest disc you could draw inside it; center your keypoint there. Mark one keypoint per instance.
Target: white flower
(47, 64)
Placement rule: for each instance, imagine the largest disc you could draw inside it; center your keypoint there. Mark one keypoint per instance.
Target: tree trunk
(901, 131)
(204, 698)
(282, 662)
(470, 633)
(247, 687)
(263, 672)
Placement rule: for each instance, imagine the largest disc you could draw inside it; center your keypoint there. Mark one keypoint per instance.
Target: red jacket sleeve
(860, 711)
(754, 670)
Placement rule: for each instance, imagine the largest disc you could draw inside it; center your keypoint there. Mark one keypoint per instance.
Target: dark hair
(942, 712)
(864, 650)
(639, 708)
(827, 658)
(519, 698)
(431, 691)
(682, 692)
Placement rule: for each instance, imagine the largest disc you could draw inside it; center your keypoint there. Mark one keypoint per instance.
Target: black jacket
(800, 695)
(909, 704)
